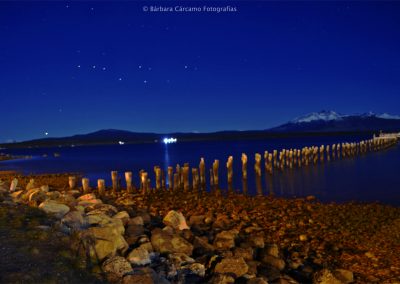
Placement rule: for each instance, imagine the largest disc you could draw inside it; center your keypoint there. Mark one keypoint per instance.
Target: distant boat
(56, 155)
(121, 142)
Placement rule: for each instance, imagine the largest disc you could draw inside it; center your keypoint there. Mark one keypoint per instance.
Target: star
(104, 68)
(119, 79)
(150, 68)
(78, 66)
(145, 81)
(46, 133)
(94, 66)
(66, 6)
(186, 67)
(140, 66)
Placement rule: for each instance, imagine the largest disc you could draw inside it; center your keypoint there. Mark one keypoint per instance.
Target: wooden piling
(114, 179)
(215, 174)
(202, 170)
(157, 171)
(244, 173)
(85, 185)
(257, 169)
(229, 167)
(72, 182)
(170, 177)
(101, 187)
(128, 181)
(185, 174)
(195, 179)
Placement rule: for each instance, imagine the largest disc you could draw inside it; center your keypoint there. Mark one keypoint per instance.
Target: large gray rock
(164, 242)
(55, 208)
(102, 242)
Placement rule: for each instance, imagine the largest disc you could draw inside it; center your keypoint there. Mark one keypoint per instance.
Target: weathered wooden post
(179, 172)
(275, 154)
(157, 171)
(114, 178)
(195, 179)
(141, 180)
(270, 157)
(144, 181)
(128, 181)
(315, 154)
(170, 177)
(229, 167)
(202, 169)
(321, 153)
(85, 185)
(72, 182)
(163, 180)
(257, 169)
(244, 173)
(291, 159)
(176, 182)
(215, 173)
(101, 186)
(328, 155)
(185, 174)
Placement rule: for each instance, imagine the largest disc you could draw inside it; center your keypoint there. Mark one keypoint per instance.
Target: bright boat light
(169, 140)
(121, 142)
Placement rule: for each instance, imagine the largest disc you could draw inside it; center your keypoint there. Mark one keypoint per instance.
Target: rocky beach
(167, 236)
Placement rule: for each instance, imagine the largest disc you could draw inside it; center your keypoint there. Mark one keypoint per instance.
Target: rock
(15, 195)
(102, 242)
(143, 275)
(180, 259)
(13, 185)
(37, 195)
(310, 198)
(106, 209)
(256, 241)
(123, 216)
(256, 280)
(55, 208)
(246, 253)
(201, 246)
(54, 195)
(145, 217)
(222, 279)
(273, 261)
(98, 219)
(175, 220)
(303, 238)
(346, 276)
(272, 250)
(74, 220)
(163, 242)
(232, 266)
(197, 220)
(222, 222)
(30, 185)
(325, 276)
(86, 197)
(253, 265)
(139, 256)
(195, 269)
(67, 199)
(44, 188)
(133, 233)
(136, 221)
(225, 240)
(115, 268)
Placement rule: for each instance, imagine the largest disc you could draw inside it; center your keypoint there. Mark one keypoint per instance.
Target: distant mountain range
(316, 123)
(330, 121)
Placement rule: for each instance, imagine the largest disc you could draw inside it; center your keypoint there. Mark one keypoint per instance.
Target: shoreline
(308, 238)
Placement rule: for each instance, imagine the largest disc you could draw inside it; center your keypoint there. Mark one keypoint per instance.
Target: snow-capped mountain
(331, 121)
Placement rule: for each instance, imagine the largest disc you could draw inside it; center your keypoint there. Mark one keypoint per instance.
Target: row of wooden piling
(273, 162)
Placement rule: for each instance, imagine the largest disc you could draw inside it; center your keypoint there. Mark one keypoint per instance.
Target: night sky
(77, 67)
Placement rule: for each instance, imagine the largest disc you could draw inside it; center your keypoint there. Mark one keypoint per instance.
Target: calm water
(372, 177)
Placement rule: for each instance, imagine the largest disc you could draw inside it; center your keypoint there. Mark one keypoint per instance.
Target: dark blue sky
(77, 67)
